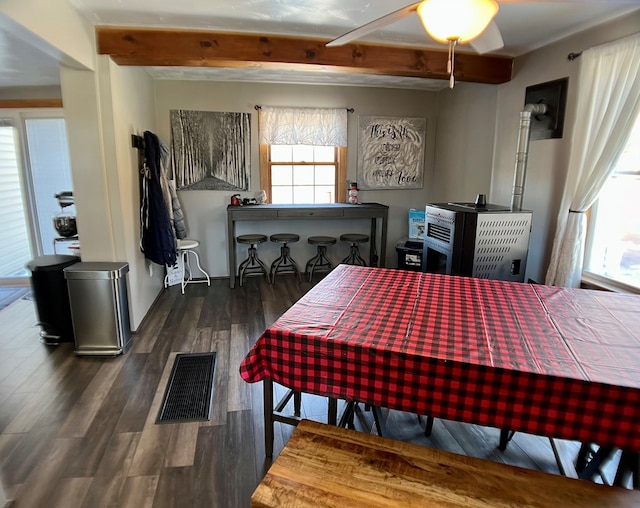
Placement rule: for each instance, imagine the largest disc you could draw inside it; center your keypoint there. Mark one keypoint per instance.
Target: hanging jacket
(158, 241)
(178, 216)
(170, 194)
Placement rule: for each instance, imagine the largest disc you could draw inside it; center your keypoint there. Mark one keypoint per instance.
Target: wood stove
(486, 241)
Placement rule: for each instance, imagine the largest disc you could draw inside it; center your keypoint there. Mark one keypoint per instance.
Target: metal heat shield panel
(502, 246)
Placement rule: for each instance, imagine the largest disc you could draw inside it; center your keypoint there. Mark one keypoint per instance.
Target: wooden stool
(354, 257)
(253, 265)
(320, 262)
(323, 465)
(284, 264)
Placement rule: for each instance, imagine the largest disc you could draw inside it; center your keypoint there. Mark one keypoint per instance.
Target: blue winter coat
(158, 241)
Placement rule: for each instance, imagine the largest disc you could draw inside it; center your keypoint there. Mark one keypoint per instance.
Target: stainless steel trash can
(99, 307)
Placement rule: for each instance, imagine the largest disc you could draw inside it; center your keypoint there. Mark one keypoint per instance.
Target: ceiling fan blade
(392, 17)
(489, 40)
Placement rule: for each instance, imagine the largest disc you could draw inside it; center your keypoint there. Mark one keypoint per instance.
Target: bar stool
(354, 257)
(320, 262)
(253, 265)
(186, 248)
(284, 264)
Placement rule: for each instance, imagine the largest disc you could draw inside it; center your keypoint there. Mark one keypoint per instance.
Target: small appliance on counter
(65, 223)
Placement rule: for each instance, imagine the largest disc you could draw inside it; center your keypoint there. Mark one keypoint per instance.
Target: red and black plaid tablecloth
(551, 361)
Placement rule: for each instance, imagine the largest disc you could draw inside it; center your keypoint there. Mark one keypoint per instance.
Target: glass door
(34, 166)
(15, 248)
(49, 174)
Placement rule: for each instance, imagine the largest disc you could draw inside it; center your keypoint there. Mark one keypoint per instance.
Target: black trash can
(410, 254)
(51, 297)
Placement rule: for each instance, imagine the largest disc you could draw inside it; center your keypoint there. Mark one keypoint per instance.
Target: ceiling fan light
(460, 20)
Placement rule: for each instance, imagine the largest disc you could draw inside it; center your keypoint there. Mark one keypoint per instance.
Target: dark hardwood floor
(81, 432)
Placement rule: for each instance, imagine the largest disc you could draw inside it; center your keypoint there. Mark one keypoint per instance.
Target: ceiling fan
(449, 21)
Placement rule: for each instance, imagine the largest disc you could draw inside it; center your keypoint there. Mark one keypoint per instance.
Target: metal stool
(253, 265)
(354, 239)
(284, 264)
(320, 262)
(185, 248)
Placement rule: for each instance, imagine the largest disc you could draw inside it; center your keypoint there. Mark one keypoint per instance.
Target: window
(302, 174)
(612, 254)
(303, 154)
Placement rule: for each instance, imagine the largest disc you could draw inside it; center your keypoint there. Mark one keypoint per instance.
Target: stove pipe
(522, 152)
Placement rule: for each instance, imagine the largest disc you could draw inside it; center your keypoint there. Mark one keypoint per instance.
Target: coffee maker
(65, 222)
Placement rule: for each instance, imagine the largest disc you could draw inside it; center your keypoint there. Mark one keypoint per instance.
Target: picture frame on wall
(211, 150)
(391, 152)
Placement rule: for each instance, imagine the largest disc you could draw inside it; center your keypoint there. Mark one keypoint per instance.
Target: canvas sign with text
(391, 152)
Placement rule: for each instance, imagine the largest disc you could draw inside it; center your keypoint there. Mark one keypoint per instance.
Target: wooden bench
(324, 465)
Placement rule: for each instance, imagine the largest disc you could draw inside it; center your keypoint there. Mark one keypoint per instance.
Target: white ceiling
(524, 26)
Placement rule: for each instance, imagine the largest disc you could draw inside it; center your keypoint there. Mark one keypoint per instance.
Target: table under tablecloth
(551, 361)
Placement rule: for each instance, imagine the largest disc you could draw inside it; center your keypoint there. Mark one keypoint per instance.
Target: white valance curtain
(303, 126)
(608, 104)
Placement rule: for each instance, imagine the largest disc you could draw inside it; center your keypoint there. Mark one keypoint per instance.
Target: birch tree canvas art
(211, 150)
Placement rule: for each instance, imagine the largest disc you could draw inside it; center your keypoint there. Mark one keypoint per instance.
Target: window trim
(594, 279)
(341, 172)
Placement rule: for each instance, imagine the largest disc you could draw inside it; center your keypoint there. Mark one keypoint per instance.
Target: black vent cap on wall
(554, 95)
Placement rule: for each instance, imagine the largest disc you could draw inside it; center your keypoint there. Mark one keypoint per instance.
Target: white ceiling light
(456, 22)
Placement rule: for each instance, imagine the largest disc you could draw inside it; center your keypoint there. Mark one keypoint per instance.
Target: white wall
(127, 103)
(464, 142)
(102, 110)
(86, 151)
(205, 211)
(548, 159)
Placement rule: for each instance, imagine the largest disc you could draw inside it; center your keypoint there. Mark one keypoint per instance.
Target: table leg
(267, 388)
(297, 403)
(583, 457)
(373, 253)
(383, 239)
(596, 461)
(505, 437)
(379, 421)
(332, 416)
(346, 419)
(560, 451)
(629, 463)
(231, 250)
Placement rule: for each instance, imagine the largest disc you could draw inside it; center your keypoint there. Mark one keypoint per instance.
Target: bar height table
(374, 211)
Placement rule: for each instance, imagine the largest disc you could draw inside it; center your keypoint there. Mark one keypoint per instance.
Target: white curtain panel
(608, 104)
(303, 126)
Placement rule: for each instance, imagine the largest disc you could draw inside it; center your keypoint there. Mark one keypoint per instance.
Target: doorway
(34, 166)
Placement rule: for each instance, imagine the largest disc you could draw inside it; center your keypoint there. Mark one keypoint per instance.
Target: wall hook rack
(137, 141)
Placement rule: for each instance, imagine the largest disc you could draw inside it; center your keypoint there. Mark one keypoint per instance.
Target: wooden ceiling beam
(195, 48)
(30, 103)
